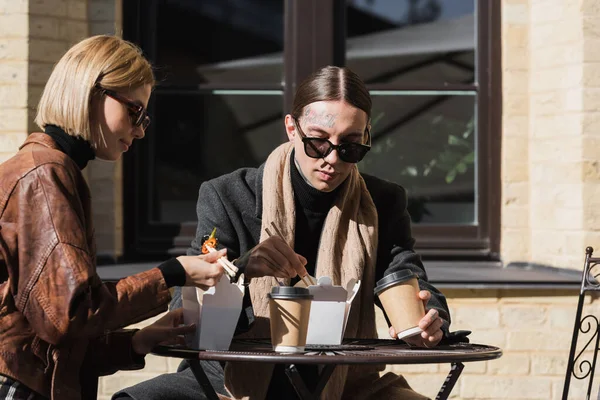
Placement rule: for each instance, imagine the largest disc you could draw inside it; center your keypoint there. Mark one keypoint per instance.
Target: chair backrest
(579, 365)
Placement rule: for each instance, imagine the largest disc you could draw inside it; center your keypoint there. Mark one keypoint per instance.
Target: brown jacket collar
(40, 138)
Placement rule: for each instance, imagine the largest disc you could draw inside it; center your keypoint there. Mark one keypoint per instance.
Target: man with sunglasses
(333, 221)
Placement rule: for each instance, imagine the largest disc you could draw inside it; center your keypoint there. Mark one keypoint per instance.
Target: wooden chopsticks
(231, 270)
(305, 279)
(227, 265)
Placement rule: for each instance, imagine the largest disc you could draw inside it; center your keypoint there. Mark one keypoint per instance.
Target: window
(430, 68)
(227, 72)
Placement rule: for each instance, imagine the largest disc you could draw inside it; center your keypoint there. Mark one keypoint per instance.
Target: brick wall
(14, 76)
(33, 36)
(515, 243)
(551, 93)
(556, 131)
(54, 26)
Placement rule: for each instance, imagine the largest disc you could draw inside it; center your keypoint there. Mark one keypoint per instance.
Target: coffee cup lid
(290, 292)
(392, 279)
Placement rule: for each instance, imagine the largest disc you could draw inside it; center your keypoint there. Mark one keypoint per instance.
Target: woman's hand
(430, 324)
(202, 271)
(165, 330)
(274, 257)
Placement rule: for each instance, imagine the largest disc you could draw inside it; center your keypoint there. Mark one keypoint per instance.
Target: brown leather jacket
(55, 312)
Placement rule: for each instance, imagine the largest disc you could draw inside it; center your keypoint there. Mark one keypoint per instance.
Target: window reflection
(201, 137)
(427, 145)
(203, 41)
(412, 42)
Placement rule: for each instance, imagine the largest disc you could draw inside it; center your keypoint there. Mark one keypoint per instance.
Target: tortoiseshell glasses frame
(139, 115)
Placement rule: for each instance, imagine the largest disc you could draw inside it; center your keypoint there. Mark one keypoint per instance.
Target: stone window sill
(443, 274)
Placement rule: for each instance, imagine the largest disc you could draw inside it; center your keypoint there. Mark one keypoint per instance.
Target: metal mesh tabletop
(351, 351)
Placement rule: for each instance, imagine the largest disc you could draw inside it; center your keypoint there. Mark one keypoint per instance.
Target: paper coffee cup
(399, 295)
(289, 309)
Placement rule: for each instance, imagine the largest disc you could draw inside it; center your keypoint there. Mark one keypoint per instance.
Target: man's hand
(273, 257)
(430, 324)
(202, 271)
(166, 330)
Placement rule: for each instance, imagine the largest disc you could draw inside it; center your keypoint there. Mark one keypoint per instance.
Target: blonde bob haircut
(103, 60)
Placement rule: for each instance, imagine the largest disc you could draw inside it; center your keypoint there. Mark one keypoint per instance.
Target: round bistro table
(351, 351)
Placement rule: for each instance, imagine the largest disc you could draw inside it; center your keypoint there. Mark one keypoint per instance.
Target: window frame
(314, 35)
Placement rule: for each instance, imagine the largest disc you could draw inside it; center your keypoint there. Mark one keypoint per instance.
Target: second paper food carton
(329, 311)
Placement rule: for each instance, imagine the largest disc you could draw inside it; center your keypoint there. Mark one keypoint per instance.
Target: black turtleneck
(80, 151)
(312, 206)
(76, 147)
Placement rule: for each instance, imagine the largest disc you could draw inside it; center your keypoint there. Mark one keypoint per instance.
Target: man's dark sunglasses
(138, 114)
(349, 152)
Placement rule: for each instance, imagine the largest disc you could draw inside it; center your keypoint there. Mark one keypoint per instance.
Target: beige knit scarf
(347, 250)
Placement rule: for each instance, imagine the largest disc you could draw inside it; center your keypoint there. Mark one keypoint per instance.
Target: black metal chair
(580, 367)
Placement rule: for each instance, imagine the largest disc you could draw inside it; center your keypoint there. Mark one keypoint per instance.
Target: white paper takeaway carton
(329, 311)
(214, 311)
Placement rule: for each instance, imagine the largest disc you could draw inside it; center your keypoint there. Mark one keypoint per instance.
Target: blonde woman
(58, 321)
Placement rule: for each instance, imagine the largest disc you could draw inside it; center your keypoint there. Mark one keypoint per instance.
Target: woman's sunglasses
(320, 148)
(138, 114)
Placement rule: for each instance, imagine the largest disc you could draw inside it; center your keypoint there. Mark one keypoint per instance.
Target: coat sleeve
(57, 287)
(403, 257)
(113, 352)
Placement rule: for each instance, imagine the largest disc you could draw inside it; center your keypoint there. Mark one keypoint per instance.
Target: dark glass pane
(213, 41)
(427, 145)
(411, 41)
(199, 137)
